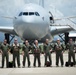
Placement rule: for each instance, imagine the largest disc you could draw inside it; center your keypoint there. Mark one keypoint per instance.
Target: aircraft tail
(41, 2)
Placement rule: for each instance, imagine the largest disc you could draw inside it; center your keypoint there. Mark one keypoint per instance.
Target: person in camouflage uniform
(47, 51)
(71, 53)
(26, 50)
(5, 48)
(16, 48)
(59, 49)
(36, 52)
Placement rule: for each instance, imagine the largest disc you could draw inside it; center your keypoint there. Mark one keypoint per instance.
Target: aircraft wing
(60, 29)
(62, 26)
(6, 29)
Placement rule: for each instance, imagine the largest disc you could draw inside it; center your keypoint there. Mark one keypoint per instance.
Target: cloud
(67, 7)
(9, 8)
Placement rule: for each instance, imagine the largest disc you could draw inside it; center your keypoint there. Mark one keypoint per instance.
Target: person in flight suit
(26, 50)
(16, 47)
(59, 49)
(5, 48)
(47, 52)
(71, 53)
(36, 52)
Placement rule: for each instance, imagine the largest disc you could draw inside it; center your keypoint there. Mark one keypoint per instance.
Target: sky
(63, 8)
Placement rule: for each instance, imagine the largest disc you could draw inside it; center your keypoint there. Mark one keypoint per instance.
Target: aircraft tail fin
(41, 2)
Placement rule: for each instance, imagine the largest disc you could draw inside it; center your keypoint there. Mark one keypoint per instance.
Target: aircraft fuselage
(32, 22)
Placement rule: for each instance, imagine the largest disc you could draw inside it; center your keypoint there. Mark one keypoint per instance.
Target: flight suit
(47, 48)
(26, 50)
(59, 48)
(36, 52)
(5, 49)
(16, 54)
(71, 52)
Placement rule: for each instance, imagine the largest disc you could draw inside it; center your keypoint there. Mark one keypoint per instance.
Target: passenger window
(37, 14)
(25, 13)
(20, 14)
(31, 13)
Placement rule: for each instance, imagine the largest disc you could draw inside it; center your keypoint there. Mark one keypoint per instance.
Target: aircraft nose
(28, 19)
(30, 27)
(34, 26)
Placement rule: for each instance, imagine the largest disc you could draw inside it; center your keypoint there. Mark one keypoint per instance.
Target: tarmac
(38, 70)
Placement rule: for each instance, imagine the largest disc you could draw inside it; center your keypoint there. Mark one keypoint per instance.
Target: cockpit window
(20, 14)
(37, 14)
(25, 13)
(31, 13)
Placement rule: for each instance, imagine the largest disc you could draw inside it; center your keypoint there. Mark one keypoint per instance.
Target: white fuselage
(32, 22)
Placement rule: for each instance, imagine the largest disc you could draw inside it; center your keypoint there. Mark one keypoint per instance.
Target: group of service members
(58, 48)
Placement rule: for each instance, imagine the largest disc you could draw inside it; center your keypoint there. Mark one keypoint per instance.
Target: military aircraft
(34, 22)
